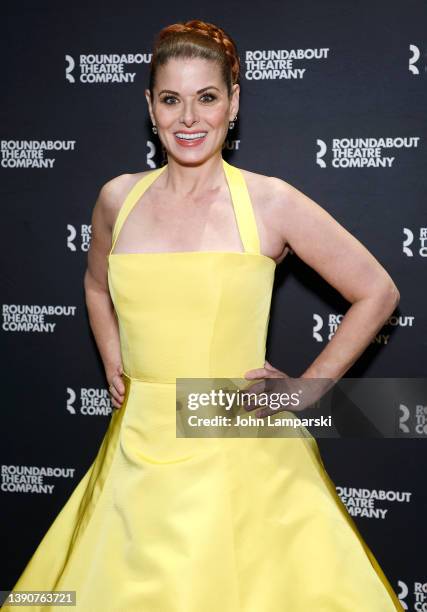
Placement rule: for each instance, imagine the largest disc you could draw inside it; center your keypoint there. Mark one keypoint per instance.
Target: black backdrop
(333, 101)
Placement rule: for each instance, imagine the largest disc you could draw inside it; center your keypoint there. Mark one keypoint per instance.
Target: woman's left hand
(298, 393)
(266, 373)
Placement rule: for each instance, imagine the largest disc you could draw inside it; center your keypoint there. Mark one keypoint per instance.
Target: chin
(191, 157)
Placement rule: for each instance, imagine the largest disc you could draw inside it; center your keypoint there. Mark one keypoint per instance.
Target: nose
(189, 115)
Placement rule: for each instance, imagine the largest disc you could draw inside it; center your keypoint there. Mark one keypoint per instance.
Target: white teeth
(190, 136)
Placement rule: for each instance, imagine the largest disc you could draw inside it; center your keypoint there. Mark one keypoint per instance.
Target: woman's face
(191, 108)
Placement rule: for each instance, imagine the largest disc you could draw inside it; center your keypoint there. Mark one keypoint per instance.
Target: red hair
(199, 39)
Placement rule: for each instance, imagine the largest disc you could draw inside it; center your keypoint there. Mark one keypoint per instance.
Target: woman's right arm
(102, 316)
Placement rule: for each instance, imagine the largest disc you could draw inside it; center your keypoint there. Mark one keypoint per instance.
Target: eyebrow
(175, 93)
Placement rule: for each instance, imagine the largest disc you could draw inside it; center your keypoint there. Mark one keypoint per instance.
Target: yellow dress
(166, 524)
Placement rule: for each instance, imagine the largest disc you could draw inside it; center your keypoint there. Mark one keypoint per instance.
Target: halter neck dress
(166, 524)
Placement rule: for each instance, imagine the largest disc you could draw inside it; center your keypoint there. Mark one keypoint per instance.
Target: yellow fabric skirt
(163, 524)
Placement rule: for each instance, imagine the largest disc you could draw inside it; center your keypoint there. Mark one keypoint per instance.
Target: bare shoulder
(111, 197)
(267, 192)
(256, 181)
(279, 200)
(113, 193)
(269, 196)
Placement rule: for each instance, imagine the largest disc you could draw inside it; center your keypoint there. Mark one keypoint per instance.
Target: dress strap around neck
(243, 208)
(131, 199)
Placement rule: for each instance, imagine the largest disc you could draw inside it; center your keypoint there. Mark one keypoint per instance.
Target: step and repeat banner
(333, 101)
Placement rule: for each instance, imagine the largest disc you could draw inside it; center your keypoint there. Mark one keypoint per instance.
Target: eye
(209, 95)
(165, 98)
(170, 100)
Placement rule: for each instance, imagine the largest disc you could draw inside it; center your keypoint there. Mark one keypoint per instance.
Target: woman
(178, 285)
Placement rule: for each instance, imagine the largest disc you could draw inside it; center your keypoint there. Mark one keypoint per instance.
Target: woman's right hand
(116, 386)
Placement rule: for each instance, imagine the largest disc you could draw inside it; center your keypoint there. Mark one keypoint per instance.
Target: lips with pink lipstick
(190, 139)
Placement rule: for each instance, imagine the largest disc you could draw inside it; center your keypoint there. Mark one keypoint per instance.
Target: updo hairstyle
(196, 39)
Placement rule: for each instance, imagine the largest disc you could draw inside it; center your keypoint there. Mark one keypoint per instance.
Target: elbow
(93, 290)
(390, 297)
(89, 287)
(394, 293)
(397, 297)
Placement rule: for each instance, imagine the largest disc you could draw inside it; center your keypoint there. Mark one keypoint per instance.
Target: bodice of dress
(193, 314)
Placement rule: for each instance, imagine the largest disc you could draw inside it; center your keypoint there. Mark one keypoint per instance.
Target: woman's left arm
(327, 247)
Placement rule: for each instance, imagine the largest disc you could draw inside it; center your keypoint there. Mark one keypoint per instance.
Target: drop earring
(232, 123)
(154, 128)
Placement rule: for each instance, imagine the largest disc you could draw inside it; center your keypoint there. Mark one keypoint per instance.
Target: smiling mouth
(189, 137)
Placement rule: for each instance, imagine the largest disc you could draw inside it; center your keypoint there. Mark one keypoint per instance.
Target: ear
(150, 106)
(234, 104)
